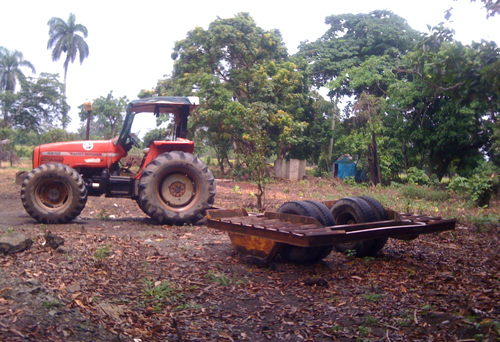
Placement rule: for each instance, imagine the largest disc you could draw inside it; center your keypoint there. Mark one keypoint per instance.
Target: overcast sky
(130, 44)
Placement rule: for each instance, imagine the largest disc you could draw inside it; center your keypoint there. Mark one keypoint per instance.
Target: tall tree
(253, 94)
(10, 68)
(352, 38)
(39, 102)
(443, 102)
(64, 38)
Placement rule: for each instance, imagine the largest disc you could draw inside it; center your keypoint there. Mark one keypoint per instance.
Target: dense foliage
(399, 101)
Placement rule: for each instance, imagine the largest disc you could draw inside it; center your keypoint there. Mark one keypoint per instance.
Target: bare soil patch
(122, 278)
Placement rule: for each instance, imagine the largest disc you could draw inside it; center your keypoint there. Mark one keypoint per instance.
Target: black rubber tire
(379, 208)
(326, 220)
(191, 180)
(304, 255)
(53, 193)
(326, 217)
(379, 243)
(351, 210)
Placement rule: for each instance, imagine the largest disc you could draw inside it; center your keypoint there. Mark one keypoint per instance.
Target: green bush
(459, 185)
(434, 180)
(480, 190)
(477, 188)
(24, 151)
(350, 181)
(484, 223)
(417, 176)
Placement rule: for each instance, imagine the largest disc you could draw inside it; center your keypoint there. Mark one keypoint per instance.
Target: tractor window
(127, 127)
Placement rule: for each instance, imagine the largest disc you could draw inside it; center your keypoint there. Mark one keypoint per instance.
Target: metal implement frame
(261, 234)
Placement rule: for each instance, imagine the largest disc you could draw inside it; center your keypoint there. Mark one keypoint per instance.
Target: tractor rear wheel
(53, 193)
(176, 188)
(352, 210)
(303, 255)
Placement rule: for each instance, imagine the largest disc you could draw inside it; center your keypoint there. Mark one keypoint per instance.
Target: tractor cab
(181, 107)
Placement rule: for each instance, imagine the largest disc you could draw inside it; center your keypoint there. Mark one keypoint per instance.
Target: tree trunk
(405, 155)
(220, 160)
(375, 173)
(64, 119)
(260, 194)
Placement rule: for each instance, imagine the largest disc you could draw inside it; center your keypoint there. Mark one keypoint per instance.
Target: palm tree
(10, 72)
(64, 37)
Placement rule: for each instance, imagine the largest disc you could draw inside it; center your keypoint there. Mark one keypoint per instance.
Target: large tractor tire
(53, 193)
(176, 188)
(303, 255)
(352, 210)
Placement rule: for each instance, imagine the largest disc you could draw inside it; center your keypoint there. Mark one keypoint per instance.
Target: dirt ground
(122, 278)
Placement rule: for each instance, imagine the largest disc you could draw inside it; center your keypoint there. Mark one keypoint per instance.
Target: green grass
(372, 297)
(102, 253)
(161, 291)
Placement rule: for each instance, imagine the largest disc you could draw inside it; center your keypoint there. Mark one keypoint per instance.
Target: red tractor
(172, 186)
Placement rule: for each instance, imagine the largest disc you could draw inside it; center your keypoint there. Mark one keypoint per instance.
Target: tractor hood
(86, 153)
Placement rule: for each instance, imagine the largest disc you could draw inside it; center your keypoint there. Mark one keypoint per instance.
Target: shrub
(417, 176)
(459, 184)
(477, 188)
(480, 190)
(350, 181)
(434, 180)
(484, 223)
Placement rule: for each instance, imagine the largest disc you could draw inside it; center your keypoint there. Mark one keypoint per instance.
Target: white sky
(130, 44)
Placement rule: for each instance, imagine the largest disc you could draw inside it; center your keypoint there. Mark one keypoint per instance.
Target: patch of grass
(103, 214)
(364, 331)
(331, 197)
(51, 305)
(350, 253)
(219, 278)
(423, 192)
(404, 322)
(161, 291)
(102, 253)
(371, 320)
(335, 328)
(371, 297)
(426, 309)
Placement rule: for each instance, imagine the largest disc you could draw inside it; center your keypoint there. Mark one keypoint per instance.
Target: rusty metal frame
(307, 232)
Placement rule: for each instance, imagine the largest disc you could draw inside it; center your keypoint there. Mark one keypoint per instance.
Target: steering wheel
(134, 141)
(131, 141)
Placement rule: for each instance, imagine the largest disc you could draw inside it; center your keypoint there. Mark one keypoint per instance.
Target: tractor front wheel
(176, 188)
(53, 193)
